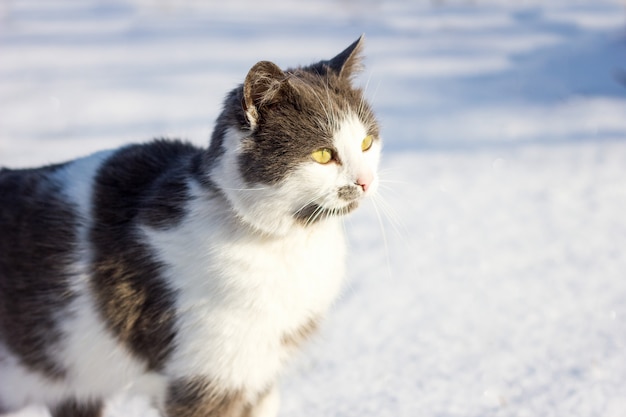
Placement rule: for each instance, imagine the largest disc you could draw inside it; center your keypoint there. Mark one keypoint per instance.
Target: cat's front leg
(75, 408)
(267, 405)
(199, 397)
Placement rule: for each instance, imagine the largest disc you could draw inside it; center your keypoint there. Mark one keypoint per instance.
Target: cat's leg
(267, 406)
(199, 397)
(75, 408)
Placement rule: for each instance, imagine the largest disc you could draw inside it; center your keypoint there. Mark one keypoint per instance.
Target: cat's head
(296, 147)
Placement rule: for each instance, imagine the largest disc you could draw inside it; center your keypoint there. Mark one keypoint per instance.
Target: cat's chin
(314, 213)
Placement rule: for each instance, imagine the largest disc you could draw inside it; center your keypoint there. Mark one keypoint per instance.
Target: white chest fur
(240, 293)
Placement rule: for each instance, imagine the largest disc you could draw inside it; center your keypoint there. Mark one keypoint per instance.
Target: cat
(185, 274)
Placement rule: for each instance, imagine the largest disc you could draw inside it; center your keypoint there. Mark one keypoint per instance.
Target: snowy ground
(496, 285)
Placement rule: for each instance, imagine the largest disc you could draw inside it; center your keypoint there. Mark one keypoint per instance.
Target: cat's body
(186, 274)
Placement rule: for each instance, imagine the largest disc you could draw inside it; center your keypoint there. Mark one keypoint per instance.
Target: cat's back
(56, 196)
(42, 206)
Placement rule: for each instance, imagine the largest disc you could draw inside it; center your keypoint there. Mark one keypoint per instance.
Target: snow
(488, 278)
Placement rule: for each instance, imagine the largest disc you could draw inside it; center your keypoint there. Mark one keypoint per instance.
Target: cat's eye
(322, 156)
(367, 143)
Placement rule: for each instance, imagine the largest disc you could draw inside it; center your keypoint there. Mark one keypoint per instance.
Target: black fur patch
(164, 204)
(74, 408)
(314, 213)
(140, 184)
(38, 240)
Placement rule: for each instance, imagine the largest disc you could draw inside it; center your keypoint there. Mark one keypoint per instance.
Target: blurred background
(440, 73)
(488, 279)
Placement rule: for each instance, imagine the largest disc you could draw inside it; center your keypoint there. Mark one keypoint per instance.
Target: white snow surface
(489, 278)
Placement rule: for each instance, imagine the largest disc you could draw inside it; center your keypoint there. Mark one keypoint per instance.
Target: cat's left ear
(348, 62)
(265, 85)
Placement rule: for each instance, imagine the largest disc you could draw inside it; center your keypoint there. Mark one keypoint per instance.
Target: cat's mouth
(314, 213)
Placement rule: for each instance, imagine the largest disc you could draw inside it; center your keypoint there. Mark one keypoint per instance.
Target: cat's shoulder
(146, 160)
(151, 178)
(156, 155)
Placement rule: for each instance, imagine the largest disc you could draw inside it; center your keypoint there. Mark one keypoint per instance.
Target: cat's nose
(364, 180)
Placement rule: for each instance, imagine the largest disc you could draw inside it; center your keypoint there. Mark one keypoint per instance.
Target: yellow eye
(367, 143)
(322, 156)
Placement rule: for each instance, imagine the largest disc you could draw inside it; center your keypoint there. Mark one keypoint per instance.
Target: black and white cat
(189, 275)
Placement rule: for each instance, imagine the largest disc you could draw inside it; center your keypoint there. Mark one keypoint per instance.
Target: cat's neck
(257, 207)
(262, 222)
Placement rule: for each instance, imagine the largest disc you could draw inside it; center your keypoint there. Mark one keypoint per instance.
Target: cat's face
(302, 146)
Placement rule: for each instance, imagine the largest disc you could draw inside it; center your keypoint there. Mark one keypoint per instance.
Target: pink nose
(364, 180)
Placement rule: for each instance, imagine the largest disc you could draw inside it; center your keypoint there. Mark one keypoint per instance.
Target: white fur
(269, 405)
(357, 164)
(241, 291)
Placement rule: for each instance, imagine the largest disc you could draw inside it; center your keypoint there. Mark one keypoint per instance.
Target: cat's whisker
(386, 187)
(390, 170)
(332, 120)
(388, 181)
(372, 99)
(244, 189)
(328, 116)
(313, 217)
(310, 201)
(384, 236)
(384, 181)
(391, 215)
(321, 211)
(362, 102)
(390, 173)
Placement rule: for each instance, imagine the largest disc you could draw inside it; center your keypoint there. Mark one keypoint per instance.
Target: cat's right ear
(263, 86)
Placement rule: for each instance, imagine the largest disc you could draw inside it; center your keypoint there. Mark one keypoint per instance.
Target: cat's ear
(264, 85)
(348, 62)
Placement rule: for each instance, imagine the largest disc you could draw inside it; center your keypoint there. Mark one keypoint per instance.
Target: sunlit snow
(489, 278)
